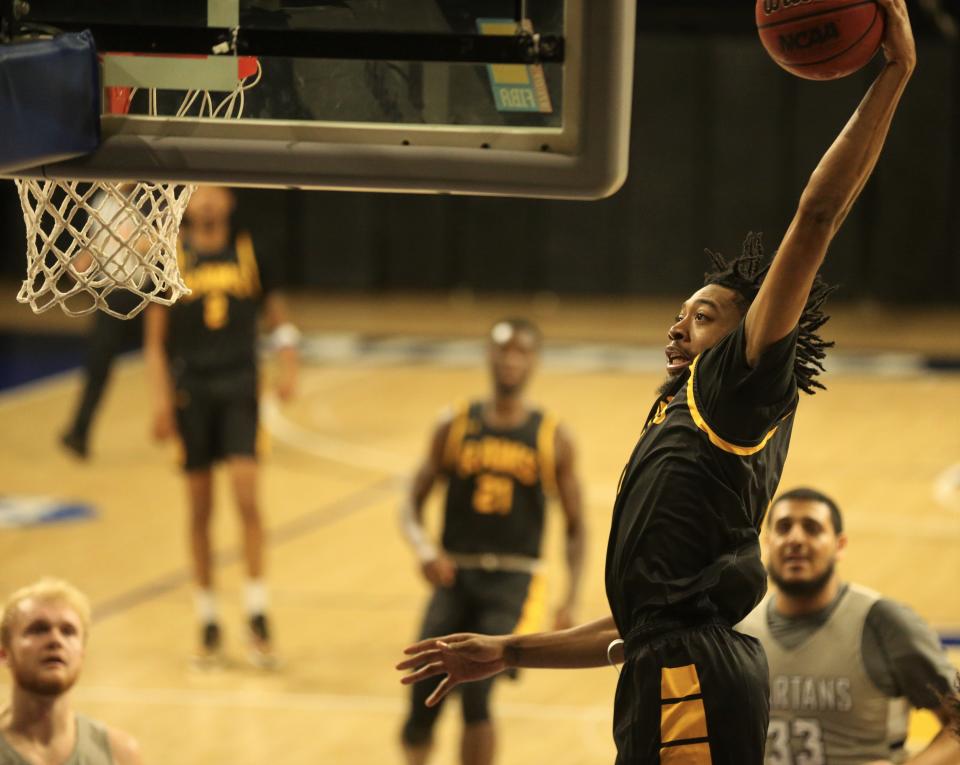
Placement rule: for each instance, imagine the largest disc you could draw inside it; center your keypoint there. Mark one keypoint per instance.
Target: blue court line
(297, 527)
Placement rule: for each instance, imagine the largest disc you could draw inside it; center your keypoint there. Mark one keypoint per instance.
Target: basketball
(820, 39)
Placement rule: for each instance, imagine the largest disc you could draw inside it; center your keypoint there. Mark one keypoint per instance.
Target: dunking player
(500, 458)
(43, 639)
(846, 664)
(202, 360)
(683, 560)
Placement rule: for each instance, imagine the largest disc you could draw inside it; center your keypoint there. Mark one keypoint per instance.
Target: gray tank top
(92, 747)
(824, 708)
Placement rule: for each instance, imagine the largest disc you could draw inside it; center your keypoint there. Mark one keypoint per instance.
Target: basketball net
(89, 239)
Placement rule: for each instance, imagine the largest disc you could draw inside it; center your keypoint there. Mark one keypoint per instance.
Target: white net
(88, 240)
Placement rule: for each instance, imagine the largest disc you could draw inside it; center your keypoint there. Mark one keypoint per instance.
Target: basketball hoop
(87, 240)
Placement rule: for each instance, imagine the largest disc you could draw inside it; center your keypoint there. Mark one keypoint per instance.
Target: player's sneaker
(75, 444)
(210, 651)
(261, 650)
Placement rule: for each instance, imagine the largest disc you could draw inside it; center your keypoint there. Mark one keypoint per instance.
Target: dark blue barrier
(49, 101)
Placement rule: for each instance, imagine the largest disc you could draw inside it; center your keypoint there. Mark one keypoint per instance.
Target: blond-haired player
(43, 639)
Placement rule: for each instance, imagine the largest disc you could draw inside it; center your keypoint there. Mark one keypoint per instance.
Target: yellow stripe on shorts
(683, 718)
(534, 607)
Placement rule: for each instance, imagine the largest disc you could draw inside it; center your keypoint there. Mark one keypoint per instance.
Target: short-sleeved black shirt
(683, 540)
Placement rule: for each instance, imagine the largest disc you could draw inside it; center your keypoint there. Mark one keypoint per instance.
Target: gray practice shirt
(92, 746)
(842, 679)
(902, 655)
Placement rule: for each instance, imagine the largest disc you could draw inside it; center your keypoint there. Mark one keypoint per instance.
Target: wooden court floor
(345, 589)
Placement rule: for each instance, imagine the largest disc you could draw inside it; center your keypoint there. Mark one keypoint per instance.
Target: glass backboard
(364, 94)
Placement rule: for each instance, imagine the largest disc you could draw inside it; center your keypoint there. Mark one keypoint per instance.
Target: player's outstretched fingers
(446, 685)
(427, 670)
(418, 659)
(429, 643)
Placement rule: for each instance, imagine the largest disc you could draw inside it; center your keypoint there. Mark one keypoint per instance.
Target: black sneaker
(209, 654)
(261, 651)
(75, 444)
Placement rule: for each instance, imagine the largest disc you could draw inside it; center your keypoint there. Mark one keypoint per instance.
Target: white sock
(255, 596)
(206, 605)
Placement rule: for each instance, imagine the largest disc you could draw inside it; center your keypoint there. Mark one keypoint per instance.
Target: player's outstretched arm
(831, 191)
(571, 499)
(466, 657)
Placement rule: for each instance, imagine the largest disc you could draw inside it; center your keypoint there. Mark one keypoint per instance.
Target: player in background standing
(500, 457)
(202, 362)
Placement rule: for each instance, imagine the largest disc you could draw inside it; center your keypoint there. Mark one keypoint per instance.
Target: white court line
(315, 702)
(291, 434)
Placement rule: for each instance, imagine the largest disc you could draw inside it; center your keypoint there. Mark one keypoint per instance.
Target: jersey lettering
(226, 278)
(498, 455)
(800, 693)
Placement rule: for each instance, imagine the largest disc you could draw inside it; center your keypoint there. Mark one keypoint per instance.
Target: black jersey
(497, 482)
(214, 329)
(683, 542)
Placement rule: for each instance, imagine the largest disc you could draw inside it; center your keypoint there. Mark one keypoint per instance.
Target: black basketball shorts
(216, 418)
(692, 695)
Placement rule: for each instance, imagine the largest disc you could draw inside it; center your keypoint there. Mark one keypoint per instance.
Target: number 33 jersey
(498, 481)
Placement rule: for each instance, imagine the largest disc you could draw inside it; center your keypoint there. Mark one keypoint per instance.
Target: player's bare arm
(944, 748)
(285, 339)
(831, 191)
(571, 500)
(124, 748)
(465, 657)
(155, 327)
(437, 567)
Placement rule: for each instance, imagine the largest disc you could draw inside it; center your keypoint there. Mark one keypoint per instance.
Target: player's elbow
(821, 213)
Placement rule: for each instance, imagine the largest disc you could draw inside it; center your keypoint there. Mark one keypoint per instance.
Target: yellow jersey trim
(458, 429)
(547, 450)
(247, 261)
(742, 451)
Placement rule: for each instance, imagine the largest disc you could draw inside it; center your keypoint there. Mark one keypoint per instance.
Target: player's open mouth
(676, 359)
(54, 661)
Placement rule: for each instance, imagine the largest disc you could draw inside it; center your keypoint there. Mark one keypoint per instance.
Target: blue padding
(49, 101)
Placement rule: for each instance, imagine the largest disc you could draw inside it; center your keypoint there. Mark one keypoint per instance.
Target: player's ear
(841, 545)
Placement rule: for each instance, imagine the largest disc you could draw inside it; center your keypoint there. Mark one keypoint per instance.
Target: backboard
(503, 97)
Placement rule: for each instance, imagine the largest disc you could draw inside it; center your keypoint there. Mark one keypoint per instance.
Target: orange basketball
(820, 39)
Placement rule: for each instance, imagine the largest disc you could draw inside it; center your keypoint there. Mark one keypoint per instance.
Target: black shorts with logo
(216, 417)
(697, 695)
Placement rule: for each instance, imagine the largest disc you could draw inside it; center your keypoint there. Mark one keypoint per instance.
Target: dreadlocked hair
(950, 705)
(745, 274)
